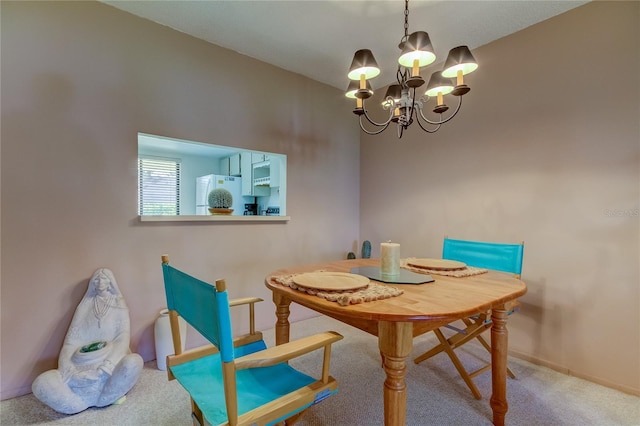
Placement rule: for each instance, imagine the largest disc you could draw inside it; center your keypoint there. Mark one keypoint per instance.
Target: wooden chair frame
(278, 410)
(478, 324)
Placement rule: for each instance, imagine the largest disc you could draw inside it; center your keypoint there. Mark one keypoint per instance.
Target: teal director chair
(238, 381)
(494, 256)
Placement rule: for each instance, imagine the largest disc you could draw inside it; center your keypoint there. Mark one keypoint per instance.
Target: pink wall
(546, 146)
(79, 80)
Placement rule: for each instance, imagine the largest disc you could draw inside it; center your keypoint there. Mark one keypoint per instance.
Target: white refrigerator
(207, 183)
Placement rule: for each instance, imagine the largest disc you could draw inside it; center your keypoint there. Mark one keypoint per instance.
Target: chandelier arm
(438, 123)
(424, 128)
(385, 123)
(373, 132)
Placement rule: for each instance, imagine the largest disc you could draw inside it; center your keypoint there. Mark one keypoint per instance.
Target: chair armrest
(281, 353)
(251, 301)
(244, 301)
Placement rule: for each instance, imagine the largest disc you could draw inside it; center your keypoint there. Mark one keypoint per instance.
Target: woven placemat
(458, 273)
(373, 291)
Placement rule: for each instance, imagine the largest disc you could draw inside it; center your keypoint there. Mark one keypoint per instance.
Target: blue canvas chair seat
(258, 386)
(238, 381)
(488, 255)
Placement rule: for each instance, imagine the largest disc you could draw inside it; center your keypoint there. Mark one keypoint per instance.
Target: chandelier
(404, 105)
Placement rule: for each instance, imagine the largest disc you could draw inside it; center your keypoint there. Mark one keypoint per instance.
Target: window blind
(158, 186)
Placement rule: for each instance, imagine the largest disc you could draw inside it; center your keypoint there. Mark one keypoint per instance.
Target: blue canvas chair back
(210, 315)
(495, 256)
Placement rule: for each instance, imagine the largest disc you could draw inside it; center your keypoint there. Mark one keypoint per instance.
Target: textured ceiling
(318, 38)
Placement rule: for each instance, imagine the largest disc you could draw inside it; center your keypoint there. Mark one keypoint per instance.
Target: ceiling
(318, 38)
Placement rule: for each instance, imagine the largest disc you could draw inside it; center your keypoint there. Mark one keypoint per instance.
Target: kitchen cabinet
(274, 171)
(257, 157)
(224, 166)
(235, 168)
(248, 171)
(230, 166)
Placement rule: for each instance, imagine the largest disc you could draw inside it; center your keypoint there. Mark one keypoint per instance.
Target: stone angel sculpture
(95, 366)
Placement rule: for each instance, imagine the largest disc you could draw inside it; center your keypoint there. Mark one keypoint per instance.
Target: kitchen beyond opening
(177, 177)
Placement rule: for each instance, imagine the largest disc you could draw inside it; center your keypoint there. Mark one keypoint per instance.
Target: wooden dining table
(397, 320)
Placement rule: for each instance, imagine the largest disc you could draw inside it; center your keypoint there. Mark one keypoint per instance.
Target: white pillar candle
(390, 258)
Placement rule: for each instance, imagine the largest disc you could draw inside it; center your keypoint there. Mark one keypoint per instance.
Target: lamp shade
(438, 84)
(363, 64)
(418, 46)
(394, 91)
(460, 58)
(353, 88)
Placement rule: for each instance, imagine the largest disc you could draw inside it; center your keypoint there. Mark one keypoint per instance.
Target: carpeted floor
(436, 394)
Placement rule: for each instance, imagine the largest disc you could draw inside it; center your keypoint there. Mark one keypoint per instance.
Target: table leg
(395, 340)
(499, 337)
(282, 314)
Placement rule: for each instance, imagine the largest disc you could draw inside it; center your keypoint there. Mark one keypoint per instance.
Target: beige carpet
(436, 394)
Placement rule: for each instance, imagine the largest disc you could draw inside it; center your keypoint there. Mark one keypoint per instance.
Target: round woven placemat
(437, 264)
(331, 281)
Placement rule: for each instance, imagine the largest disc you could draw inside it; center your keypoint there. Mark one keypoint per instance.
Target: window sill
(214, 218)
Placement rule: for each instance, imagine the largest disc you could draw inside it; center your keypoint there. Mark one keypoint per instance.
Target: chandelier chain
(406, 19)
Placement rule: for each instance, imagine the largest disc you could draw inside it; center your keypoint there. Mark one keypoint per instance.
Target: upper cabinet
(274, 170)
(260, 173)
(257, 157)
(224, 166)
(230, 166)
(250, 172)
(235, 168)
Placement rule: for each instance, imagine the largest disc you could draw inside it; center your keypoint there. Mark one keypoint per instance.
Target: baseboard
(569, 372)
(15, 392)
